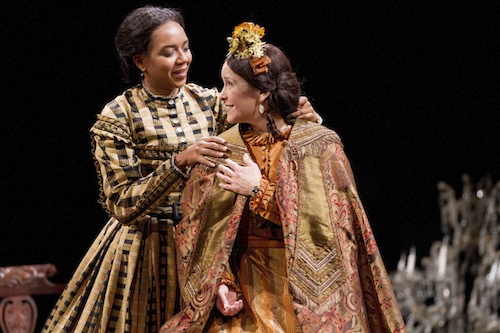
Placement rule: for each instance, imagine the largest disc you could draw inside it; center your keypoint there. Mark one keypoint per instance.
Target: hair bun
(287, 81)
(287, 92)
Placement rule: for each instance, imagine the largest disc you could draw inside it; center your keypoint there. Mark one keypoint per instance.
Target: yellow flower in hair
(246, 42)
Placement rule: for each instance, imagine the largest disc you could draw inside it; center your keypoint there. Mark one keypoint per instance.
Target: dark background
(412, 89)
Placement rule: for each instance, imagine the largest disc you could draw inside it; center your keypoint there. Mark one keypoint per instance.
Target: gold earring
(261, 109)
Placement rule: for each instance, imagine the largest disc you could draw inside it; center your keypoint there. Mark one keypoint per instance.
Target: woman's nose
(223, 95)
(183, 57)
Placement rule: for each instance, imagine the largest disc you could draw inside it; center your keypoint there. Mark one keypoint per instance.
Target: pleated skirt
(125, 283)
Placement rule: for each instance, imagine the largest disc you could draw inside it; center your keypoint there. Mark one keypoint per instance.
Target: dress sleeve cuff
(229, 280)
(259, 202)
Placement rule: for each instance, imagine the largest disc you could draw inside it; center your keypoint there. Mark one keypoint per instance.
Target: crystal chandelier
(458, 287)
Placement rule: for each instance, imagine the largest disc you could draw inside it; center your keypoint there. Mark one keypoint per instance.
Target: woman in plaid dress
(144, 142)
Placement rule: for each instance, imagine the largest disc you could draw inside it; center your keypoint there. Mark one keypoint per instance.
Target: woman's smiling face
(166, 64)
(241, 99)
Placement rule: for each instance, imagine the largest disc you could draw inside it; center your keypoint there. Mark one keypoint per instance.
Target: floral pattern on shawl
(336, 275)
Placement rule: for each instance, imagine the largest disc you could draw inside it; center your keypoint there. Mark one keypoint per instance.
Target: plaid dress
(127, 282)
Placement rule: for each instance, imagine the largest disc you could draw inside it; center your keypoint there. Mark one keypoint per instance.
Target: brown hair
(134, 35)
(280, 81)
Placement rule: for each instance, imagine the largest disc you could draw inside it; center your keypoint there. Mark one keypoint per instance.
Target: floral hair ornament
(246, 43)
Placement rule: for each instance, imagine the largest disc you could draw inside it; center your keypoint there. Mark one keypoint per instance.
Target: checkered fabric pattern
(127, 282)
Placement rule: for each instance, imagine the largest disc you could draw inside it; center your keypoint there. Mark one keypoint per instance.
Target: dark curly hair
(134, 35)
(280, 81)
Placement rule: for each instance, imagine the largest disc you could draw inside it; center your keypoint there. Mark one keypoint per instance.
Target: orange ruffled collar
(256, 138)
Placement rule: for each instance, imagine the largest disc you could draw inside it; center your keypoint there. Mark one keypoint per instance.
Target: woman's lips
(182, 74)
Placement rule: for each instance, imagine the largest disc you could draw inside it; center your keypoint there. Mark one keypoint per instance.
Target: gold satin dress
(258, 257)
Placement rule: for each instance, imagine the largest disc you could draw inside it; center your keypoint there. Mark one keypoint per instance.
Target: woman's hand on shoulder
(211, 146)
(306, 111)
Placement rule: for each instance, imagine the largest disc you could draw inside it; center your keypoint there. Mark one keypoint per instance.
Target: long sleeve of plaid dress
(127, 280)
(134, 138)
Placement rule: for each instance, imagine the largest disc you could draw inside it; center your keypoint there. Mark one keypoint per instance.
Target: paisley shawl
(336, 274)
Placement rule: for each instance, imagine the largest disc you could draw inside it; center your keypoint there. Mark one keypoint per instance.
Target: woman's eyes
(169, 54)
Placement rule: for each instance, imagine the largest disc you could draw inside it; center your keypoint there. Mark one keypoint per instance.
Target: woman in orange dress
(275, 238)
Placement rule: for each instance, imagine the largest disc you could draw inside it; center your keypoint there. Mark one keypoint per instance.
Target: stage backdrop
(411, 88)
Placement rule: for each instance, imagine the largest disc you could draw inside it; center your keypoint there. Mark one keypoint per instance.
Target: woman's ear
(263, 96)
(138, 61)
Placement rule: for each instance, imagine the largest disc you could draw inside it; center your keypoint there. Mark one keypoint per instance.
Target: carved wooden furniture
(18, 310)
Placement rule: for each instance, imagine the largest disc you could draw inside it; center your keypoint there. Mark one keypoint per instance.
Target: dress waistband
(168, 212)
